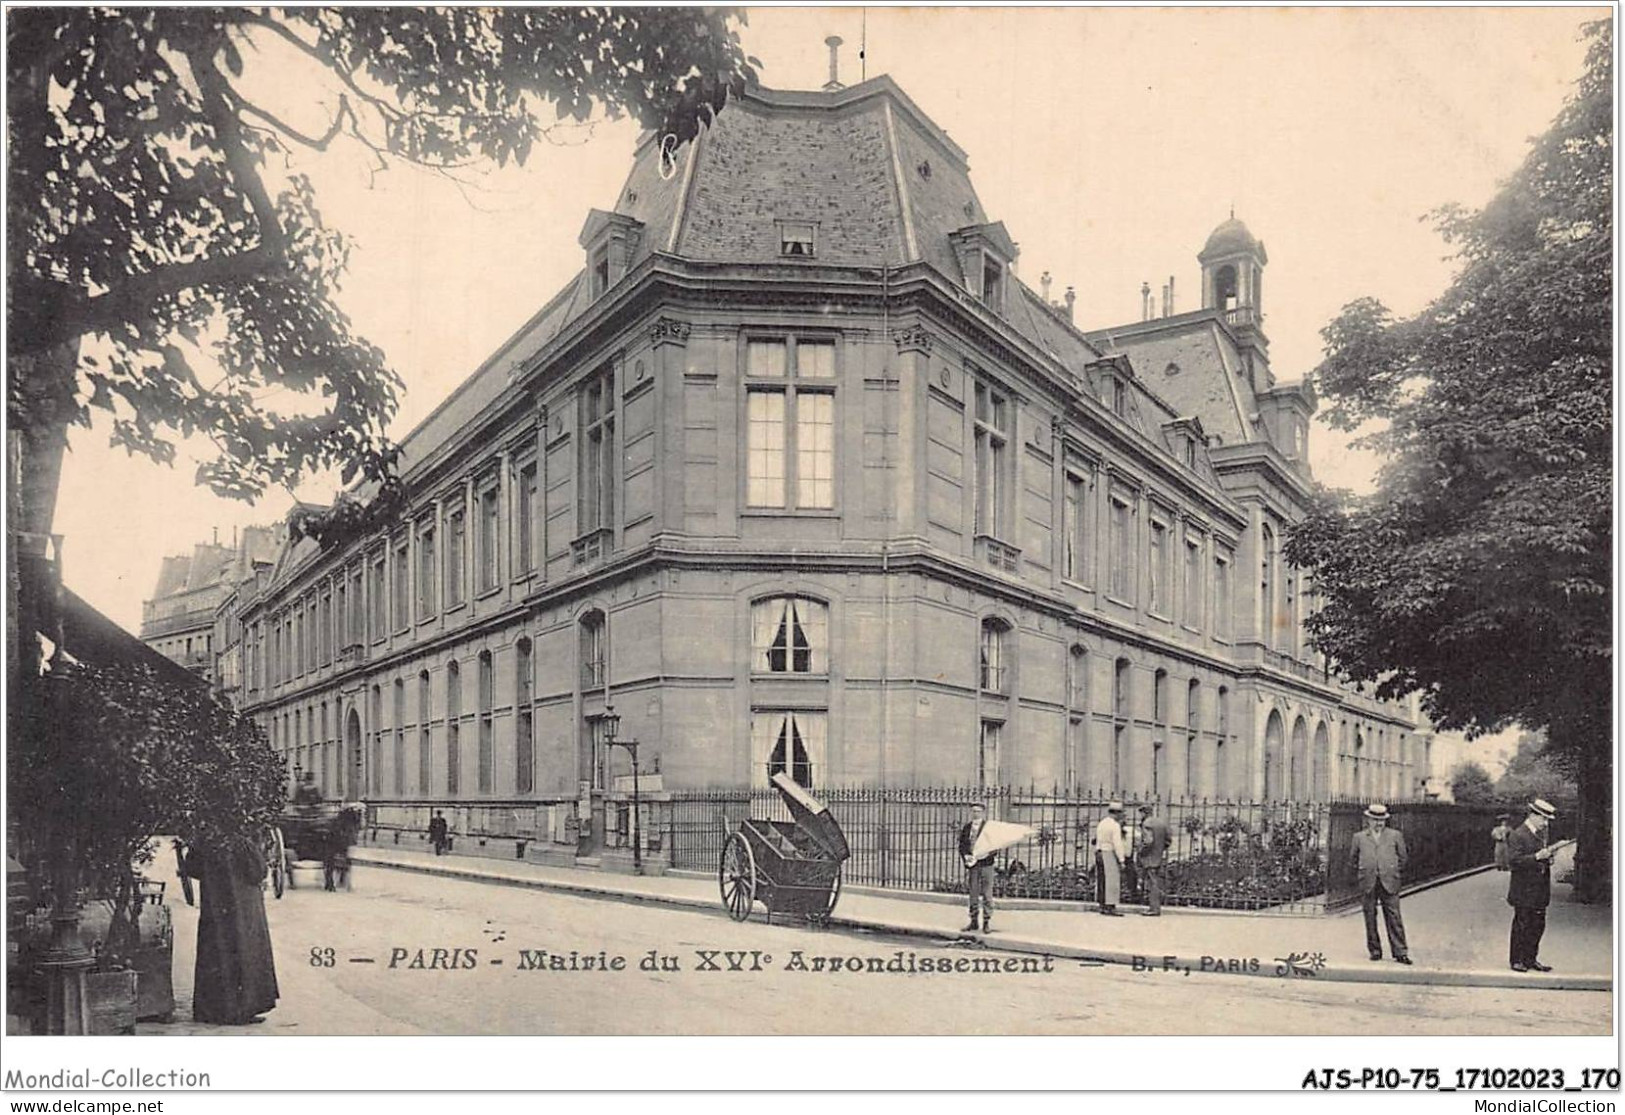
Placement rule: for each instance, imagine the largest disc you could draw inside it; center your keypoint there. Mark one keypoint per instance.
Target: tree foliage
(1480, 570)
(119, 755)
(167, 266)
(1532, 773)
(1471, 784)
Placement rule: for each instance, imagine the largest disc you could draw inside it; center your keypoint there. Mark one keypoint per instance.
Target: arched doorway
(1298, 763)
(354, 784)
(1274, 737)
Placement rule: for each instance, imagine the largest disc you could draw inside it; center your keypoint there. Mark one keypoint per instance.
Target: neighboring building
(179, 621)
(255, 557)
(799, 476)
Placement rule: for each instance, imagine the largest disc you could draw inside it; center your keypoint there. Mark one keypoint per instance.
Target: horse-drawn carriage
(323, 832)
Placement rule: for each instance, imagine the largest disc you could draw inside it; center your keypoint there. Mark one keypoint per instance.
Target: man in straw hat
(1529, 891)
(1379, 864)
(1110, 853)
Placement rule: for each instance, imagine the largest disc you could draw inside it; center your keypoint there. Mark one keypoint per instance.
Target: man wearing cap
(1110, 854)
(1379, 864)
(1529, 891)
(980, 885)
(1150, 856)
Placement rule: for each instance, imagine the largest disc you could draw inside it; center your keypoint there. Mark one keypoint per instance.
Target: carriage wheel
(276, 853)
(736, 875)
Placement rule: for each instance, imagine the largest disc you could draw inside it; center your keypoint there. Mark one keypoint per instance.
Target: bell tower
(1233, 262)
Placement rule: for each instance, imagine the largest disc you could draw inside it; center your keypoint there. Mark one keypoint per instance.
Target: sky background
(1110, 142)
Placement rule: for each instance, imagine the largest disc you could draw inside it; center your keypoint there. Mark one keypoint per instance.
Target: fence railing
(1281, 857)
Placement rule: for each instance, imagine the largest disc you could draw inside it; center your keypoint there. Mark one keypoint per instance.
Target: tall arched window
(487, 741)
(425, 761)
(454, 712)
(374, 779)
(1221, 776)
(524, 739)
(789, 635)
(400, 737)
(1121, 712)
(1266, 588)
(594, 651)
(993, 656)
(1193, 732)
(788, 741)
(1077, 704)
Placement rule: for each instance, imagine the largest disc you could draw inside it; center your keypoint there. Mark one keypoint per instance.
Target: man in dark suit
(1529, 891)
(981, 870)
(437, 832)
(1150, 857)
(1379, 864)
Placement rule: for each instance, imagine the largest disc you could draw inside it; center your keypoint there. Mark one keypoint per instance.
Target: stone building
(798, 475)
(178, 621)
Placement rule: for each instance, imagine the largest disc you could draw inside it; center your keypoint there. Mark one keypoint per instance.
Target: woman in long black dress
(236, 975)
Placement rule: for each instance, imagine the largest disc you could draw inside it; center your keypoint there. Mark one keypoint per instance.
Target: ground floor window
(791, 742)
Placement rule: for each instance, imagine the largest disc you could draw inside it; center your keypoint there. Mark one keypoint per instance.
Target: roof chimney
(1043, 286)
(1145, 301)
(1170, 294)
(834, 82)
(1071, 297)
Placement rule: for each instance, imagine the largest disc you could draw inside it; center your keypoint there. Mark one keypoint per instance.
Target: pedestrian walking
(437, 832)
(1110, 855)
(980, 882)
(1529, 890)
(1499, 834)
(1379, 865)
(1150, 856)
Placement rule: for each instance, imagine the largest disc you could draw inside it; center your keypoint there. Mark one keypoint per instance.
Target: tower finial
(834, 82)
(1232, 210)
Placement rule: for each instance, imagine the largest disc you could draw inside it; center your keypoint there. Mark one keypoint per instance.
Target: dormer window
(1116, 395)
(992, 284)
(611, 243)
(1190, 452)
(797, 239)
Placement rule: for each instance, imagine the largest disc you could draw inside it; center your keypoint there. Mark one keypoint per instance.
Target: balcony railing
(591, 547)
(1243, 315)
(1000, 555)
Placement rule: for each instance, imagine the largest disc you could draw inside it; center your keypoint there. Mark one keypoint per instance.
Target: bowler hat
(1377, 810)
(1543, 807)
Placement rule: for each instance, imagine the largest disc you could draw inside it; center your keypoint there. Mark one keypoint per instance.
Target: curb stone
(1015, 942)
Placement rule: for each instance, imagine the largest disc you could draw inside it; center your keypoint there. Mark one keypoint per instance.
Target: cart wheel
(276, 853)
(736, 875)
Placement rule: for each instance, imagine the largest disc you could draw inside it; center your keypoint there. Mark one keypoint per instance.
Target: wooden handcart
(791, 867)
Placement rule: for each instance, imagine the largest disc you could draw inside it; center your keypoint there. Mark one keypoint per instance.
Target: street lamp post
(612, 730)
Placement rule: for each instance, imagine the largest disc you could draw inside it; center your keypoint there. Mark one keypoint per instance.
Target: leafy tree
(164, 263)
(1471, 783)
(1479, 571)
(1531, 773)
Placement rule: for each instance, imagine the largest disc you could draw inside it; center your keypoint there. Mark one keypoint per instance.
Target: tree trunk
(1594, 828)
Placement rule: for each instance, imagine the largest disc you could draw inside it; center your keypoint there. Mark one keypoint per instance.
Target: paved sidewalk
(1457, 931)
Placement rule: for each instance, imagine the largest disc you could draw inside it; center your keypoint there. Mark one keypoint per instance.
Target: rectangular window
(326, 628)
(403, 584)
(597, 458)
(992, 284)
(1073, 514)
(788, 742)
(1122, 550)
(1157, 600)
(375, 780)
(380, 588)
(987, 754)
(527, 518)
(312, 634)
(992, 657)
(426, 572)
(600, 271)
(790, 423)
(592, 651)
(992, 432)
(456, 548)
(1193, 581)
(358, 615)
(796, 238)
(490, 537)
(1221, 596)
